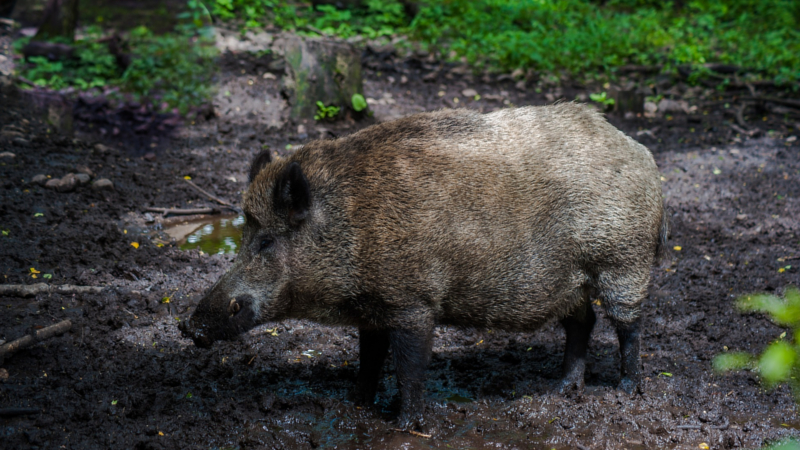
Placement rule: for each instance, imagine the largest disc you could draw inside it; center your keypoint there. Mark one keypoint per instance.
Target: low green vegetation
(358, 102)
(326, 112)
(172, 69)
(578, 38)
(552, 38)
(780, 361)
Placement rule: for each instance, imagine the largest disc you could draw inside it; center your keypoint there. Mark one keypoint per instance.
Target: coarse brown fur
(504, 220)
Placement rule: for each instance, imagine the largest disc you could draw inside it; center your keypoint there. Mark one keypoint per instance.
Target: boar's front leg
(373, 346)
(411, 350)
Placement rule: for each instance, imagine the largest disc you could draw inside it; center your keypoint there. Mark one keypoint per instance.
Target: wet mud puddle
(219, 235)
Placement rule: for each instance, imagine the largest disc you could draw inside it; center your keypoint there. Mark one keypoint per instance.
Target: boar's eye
(266, 243)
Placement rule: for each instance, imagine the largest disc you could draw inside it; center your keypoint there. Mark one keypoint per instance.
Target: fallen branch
(741, 130)
(209, 195)
(413, 433)
(780, 101)
(183, 212)
(30, 290)
(31, 339)
(13, 412)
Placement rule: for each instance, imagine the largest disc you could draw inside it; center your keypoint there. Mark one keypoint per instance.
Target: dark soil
(124, 378)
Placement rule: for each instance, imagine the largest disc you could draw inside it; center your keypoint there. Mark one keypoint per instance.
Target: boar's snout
(217, 319)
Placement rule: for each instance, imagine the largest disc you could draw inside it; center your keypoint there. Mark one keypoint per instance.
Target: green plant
(173, 68)
(359, 102)
(326, 112)
(601, 98)
(780, 361)
(575, 37)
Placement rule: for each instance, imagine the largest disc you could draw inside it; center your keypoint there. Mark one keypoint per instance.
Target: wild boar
(502, 220)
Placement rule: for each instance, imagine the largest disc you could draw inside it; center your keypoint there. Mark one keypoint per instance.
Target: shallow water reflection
(220, 235)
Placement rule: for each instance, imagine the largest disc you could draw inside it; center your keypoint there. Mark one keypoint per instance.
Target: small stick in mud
(688, 427)
(30, 290)
(40, 335)
(13, 412)
(209, 195)
(182, 212)
(413, 433)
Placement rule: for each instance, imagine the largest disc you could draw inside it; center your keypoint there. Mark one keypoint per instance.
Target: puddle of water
(218, 235)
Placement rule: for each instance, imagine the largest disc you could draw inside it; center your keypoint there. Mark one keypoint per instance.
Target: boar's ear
(292, 194)
(259, 162)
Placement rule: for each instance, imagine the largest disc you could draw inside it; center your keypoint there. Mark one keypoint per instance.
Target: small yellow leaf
(703, 445)
(479, 343)
(165, 300)
(33, 275)
(124, 231)
(159, 245)
(677, 248)
(161, 433)
(135, 244)
(34, 270)
(187, 177)
(781, 270)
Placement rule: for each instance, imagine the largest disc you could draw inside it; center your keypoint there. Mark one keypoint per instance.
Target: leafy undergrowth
(578, 38)
(172, 70)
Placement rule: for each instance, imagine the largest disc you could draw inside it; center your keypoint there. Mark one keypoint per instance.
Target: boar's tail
(663, 234)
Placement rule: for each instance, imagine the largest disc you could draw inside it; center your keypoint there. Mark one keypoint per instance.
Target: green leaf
(114, 402)
(776, 362)
(47, 276)
(732, 361)
(782, 312)
(359, 103)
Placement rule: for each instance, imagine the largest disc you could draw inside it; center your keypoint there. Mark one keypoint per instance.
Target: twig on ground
(13, 412)
(582, 447)
(210, 196)
(30, 290)
(688, 427)
(413, 433)
(726, 423)
(40, 335)
(182, 212)
(739, 114)
(741, 130)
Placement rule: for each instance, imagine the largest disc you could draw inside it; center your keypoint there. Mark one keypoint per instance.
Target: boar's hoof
(629, 386)
(571, 385)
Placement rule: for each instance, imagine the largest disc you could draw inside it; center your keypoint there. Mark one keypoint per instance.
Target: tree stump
(320, 70)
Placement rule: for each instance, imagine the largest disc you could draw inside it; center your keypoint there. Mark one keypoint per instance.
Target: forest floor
(123, 377)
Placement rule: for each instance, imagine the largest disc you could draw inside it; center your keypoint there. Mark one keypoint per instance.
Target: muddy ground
(124, 378)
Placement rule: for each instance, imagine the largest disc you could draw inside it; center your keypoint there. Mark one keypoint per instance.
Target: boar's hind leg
(622, 296)
(373, 346)
(411, 351)
(578, 327)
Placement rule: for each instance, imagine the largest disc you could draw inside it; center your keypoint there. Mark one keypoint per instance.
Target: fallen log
(40, 335)
(30, 290)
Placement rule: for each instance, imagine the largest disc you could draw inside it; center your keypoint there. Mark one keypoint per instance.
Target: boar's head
(256, 288)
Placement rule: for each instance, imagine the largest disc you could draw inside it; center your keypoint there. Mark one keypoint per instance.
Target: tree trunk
(324, 70)
(60, 18)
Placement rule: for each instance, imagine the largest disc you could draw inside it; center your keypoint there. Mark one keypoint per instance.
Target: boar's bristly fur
(503, 220)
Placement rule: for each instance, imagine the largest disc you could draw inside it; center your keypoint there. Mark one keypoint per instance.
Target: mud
(124, 378)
